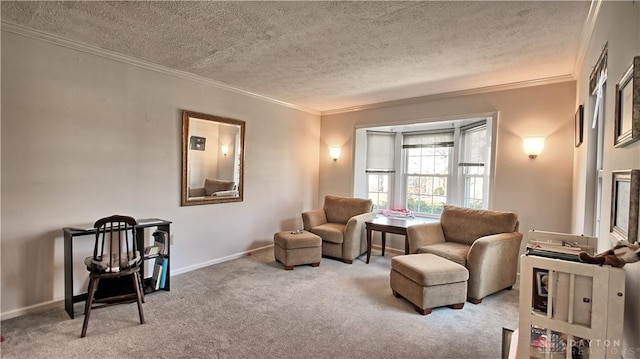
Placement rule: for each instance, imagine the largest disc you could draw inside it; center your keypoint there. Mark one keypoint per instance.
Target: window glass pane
(379, 190)
(473, 192)
(441, 163)
(413, 164)
(426, 194)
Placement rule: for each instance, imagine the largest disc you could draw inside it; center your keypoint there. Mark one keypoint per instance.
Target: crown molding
(587, 34)
(445, 95)
(74, 45)
(112, 55)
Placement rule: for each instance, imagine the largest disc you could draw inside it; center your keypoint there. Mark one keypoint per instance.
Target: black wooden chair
(115, 264)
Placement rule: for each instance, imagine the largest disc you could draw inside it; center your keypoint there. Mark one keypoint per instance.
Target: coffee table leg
(368, 244)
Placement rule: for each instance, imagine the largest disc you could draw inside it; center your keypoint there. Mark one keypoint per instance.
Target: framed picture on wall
(625, 205)
(627, 106)
(198, 143)
(579, 125)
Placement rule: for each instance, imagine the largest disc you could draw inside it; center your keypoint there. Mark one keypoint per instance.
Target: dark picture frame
(579, 126)
(625, 205)
(627, 106)
(198, 143)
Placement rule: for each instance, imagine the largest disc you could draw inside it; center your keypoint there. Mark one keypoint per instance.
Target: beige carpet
(252, 308)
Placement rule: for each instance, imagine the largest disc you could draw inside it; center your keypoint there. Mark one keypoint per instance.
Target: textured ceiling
(329, 55)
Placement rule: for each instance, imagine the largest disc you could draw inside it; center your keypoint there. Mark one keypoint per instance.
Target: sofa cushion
(212, 186)
(465, 225)
(428, 269)
(455, 252)
(341, 209)
(295, 240)
(330, 232)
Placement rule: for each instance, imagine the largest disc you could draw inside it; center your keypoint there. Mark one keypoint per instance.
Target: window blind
(427, 139)
(380, 152)
(474, 145)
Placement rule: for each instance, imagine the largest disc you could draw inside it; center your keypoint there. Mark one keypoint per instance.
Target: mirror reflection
(212, 159)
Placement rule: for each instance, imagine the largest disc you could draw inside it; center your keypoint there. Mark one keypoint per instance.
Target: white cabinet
(570, 309)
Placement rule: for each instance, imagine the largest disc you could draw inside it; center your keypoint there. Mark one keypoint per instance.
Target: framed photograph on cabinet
(625, 202)
(627, 110)
(579, 125)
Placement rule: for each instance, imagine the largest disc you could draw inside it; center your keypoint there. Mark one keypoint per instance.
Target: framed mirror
(212, 159)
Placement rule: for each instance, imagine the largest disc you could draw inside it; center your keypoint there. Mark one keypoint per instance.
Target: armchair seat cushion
(330, 232)
(455, 252)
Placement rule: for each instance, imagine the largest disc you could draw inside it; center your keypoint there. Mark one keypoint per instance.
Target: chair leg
(93, 283)
(141, 286)
(136, 284)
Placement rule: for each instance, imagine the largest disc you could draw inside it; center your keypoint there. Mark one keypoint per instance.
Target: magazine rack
(562, 317)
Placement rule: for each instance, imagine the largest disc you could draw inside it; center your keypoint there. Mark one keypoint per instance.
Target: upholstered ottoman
(293, 248)
(429, 281)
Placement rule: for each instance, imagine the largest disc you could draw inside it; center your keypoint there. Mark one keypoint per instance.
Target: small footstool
(429, 281)
(293, 248)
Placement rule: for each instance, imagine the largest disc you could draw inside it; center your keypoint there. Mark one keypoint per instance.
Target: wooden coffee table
(391, 225)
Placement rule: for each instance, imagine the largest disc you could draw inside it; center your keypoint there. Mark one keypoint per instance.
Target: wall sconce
(224, 149)
(533, 145)
(334, 152)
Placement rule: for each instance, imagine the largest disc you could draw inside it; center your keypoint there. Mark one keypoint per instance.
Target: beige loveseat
(486, 242)
(340, 224)
(214, 187)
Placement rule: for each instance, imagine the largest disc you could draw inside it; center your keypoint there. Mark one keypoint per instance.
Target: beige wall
(618, 24)
(84, 136)
(539, 190)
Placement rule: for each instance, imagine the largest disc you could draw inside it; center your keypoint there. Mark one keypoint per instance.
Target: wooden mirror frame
(199, 144)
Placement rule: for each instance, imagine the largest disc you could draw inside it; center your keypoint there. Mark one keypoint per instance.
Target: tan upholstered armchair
(340, 224)
(486, 242)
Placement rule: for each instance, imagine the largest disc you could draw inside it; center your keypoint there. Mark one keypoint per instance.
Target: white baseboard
(59, 302)
(40, 307)
(217, 260)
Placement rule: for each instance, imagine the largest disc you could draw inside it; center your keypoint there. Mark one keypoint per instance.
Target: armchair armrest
(493, 263)
(420, 235)
(353, 234)
(313, 218)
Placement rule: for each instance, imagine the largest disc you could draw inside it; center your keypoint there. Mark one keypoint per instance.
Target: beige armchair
(486, 242)
(340, 224)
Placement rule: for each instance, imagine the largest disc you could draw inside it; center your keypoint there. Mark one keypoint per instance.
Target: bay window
(422, 167)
